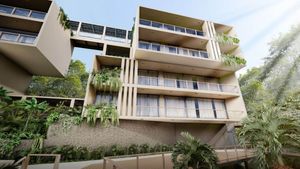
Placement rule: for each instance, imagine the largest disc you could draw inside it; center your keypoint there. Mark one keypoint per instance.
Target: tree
(32, 107)
(269, 132)
(73, 85)
(192, 153)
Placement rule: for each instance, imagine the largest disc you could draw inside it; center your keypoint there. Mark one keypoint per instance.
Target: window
(170, 80)
(157, 24)
(169, 27)
(144, 45)
(199, 33)
(22, 12)
(38, 15)
(98, 29)
(171, 49)
(175, 107)
(121, 33)
(9, 36)
(194, 53)
(206, 108)
(204, 54)
(155, 47)
(110, 31)
(6, 9)
(191, 31)
(89, 28)
(220, 109)
(148, 77)
(147, 105)
(106, 98)
(192, 108)
(179, 29)
(26, 39)
(145, 22)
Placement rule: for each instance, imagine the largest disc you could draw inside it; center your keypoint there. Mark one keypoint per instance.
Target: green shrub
(97, 153)
(144, 148)
(115, 150)
(133, 149)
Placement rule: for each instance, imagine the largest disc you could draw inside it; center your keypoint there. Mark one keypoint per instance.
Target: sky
(256, 22)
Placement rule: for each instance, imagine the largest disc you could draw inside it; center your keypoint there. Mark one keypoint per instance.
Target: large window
(175, 107)
(148, 77)
(147, 105)
(89, 28)
(106, 98)
(119, 33)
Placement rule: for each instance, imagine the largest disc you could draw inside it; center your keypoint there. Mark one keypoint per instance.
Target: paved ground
(71, 165)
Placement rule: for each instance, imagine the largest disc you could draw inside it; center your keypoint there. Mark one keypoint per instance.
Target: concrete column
(72, 103)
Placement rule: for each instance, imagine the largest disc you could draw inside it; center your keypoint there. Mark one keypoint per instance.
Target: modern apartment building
(173, 77)
(32, 42)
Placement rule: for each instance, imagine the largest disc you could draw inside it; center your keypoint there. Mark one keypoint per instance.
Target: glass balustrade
(17, 37)
(172, 49)
(171, 27)
(186, 84)
(22, 12)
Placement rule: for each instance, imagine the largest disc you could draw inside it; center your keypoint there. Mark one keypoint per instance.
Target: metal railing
(172, 49)
(17, 37)
(183, 112)
(186, 84)
(170, 27)
(22, 12)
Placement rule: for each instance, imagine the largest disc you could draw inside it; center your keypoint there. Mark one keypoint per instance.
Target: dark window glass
(74, 25)
(199, 33)
(179, 29)
(156, 47)
(144, 45)
(110, 31)
(6, 9)
(129, 35)
(169, 27)
(85, 27)
(157, 24)
(22, 12)
(145, 22)
(172, 49)
(191, 31)
(38, 15)
(120, 33)
(98, 29)
(204, 54)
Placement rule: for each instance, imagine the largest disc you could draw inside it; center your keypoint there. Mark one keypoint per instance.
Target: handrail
(12, 10)
(26, 159)
(185, 85)
(164, 26)
(177, 50)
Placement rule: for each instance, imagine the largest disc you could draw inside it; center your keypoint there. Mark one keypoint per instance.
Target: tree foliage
(270, 131)
(73, 85)
(193, 153)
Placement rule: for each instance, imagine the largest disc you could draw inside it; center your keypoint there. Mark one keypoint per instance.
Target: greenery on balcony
(192, 153)
(226, 39)
(107, 79)
(107, 113)
(232, 60)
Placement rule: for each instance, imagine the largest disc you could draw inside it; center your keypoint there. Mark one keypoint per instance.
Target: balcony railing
(172, 49)
(169, 27)
(17, 37)
(22, 12)
(186, 84)
(179, 112)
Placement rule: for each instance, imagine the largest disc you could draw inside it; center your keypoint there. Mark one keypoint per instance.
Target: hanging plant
(107, 79)
(64, 20)
(107, 113)
(232, 60)
(226, 39)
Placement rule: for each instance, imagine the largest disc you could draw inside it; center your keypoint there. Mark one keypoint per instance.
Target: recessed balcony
(179, 87)
(21, 12)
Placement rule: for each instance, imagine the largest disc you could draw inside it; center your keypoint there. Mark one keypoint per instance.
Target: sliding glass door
(147, 105)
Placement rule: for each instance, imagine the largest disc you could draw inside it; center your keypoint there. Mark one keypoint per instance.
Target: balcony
(178, 87)
(173, 28)
(172, 50)
(17, 37)
(22, 12)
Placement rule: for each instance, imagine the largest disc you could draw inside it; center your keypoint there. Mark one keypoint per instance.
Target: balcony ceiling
(19, 23)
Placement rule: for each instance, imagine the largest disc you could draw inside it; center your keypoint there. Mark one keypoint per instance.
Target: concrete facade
(33, 39)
